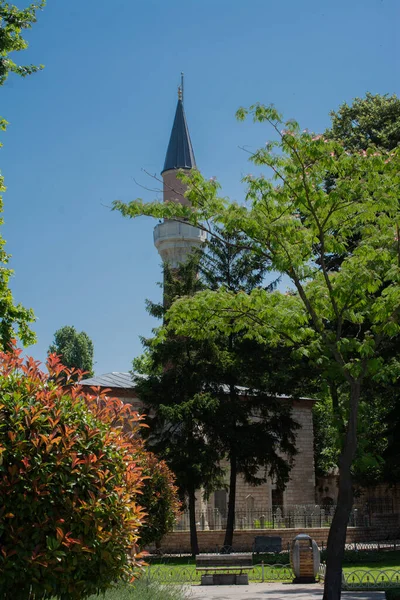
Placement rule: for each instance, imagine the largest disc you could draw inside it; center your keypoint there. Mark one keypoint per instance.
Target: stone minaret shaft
(174, 241)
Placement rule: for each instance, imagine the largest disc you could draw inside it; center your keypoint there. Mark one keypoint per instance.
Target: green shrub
(356, 557)
(159, 498)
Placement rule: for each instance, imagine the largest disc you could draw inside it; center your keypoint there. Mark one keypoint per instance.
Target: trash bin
(304, 558)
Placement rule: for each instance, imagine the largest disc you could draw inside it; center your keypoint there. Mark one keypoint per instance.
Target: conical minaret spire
(174, 241)
(180, 153)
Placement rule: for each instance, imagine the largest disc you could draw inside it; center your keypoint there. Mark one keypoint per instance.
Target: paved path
(272, 591)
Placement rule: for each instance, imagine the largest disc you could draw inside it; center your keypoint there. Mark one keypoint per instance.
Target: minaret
(174, 241)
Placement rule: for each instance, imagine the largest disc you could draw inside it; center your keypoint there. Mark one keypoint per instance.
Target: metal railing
(167, 553)
(278, 517)
(367, 579)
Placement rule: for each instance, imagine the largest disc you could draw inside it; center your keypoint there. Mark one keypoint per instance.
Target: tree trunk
(230, 523)
(194, 544)
(338, 530)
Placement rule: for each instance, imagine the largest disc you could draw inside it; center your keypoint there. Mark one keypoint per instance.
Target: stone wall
(210, 541)
(301, 487)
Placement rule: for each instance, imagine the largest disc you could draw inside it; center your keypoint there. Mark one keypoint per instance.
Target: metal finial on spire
(182, 86)
(179, 92)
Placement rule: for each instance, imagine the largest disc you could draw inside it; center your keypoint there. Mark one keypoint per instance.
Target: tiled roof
(124, 380)
(110, 380)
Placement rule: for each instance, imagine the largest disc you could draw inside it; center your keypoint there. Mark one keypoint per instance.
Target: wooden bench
(224, 569)
(267, 543)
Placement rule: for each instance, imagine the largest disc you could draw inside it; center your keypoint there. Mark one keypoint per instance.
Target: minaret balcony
(174, 241)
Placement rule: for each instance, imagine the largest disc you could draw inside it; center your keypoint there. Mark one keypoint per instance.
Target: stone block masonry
(212, 541)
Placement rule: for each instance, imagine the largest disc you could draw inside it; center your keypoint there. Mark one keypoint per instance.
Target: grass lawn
(382, 561)
(379, 569)
(188, 574)
(181, 571)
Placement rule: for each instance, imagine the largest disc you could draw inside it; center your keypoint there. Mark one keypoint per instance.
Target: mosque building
(174, 242)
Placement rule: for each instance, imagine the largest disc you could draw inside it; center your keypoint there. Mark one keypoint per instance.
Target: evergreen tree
(252, 428)
(202, 414)
(175, 397)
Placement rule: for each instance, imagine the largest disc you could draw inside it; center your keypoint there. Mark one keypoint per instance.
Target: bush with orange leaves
(70, 482)
(159, 499)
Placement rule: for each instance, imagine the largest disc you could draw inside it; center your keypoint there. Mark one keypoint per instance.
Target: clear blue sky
(82, 131)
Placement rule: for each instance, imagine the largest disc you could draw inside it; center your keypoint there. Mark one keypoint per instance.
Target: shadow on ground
(271, 591)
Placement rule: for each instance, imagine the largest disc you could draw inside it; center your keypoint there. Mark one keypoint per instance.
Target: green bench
(267, 543)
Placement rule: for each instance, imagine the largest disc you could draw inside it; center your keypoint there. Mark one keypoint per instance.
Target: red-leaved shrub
(70, 481)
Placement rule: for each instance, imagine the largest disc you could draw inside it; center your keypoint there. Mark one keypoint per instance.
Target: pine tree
(169, 379)
(253, 429)
(200, 413)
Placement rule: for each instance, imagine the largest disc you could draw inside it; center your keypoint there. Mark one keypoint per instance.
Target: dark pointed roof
(180, 153)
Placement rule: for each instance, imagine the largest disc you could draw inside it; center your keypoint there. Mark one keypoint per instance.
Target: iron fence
(363, 579)
(278, 517)
(167, 553)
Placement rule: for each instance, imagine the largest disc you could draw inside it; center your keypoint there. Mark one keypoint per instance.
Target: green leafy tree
(70, 481)
(14, 318)
(339, 318)
(255, 448)
(256, 433)
(173, 393)
(13, 22)
(74, 349)
(370, 121)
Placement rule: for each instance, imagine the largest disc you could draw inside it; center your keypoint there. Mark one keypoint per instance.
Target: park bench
(224, 569)
(267, 543)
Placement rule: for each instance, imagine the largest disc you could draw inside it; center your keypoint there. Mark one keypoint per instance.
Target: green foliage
(14, 318)
(373, 121)
(74, 349)
(200, 388)
(69, 479)
(338, 319)
(158, 498)
(172, 391)
(239, 362)
(13, 22)
(326, 442)
(288, 217)
(370, 121)
(226, 262)
(174, 395)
